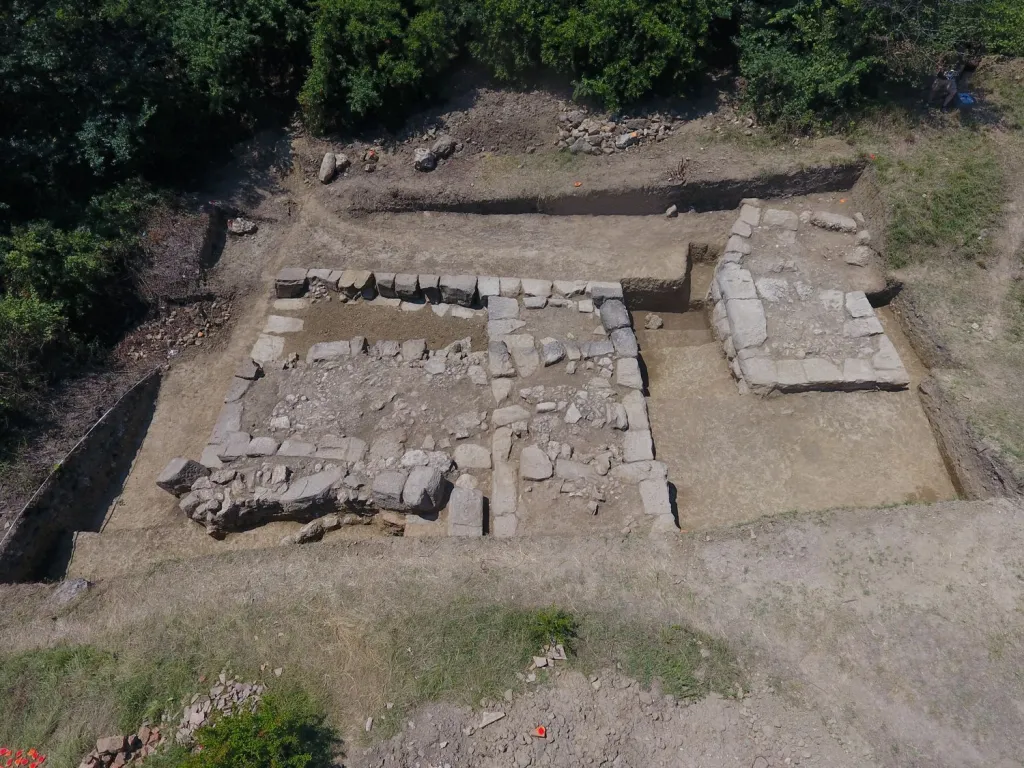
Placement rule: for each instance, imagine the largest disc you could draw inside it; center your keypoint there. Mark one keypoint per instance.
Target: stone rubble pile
(592, 135)
(844, 346)
(227, 697)
(116, 751)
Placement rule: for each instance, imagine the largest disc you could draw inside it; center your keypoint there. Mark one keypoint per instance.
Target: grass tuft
(944, 200)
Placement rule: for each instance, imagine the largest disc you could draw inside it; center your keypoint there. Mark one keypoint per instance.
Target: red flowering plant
(21, 758)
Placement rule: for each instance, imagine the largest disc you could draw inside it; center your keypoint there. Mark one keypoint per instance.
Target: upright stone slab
(458, 289)
(602, 291)
(407, 287)
(466, 512)
(386, 285)
(290, 283)
(430, 285)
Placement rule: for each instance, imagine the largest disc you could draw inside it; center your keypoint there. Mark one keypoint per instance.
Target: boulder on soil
(424, 160)
(614, 315)
(387, 489)
(534, 464)
(425, 490)
(179, 474)
(444, 146)
(240, 226)
(328, 167)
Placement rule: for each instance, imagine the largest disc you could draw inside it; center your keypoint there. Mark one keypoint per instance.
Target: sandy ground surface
(902, 625)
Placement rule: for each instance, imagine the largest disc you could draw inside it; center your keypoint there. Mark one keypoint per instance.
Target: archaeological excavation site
(541, 375)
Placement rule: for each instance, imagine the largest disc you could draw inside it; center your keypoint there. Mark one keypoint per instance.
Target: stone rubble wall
(346, 487)
(739, 318)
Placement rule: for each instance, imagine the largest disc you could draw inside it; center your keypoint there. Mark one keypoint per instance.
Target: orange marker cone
(540, 732)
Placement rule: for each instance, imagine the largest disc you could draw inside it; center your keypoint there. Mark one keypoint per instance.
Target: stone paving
(783, 314)
(548, 424)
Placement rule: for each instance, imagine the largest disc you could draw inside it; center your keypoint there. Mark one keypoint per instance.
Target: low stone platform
(785, 311)
(545, 429)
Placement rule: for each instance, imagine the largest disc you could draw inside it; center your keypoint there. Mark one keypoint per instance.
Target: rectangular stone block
(637, 445)
(511, 287)
(636, 410)
(601, 291)
(747, 322)
(822, 372)
(357, 282)
(857, 305)
(282, 324)
(407, 287)
(759, 371)
(886, 358)
(386, 285)
(778, 219)
(741, 228)
(858, 372)
(751, 214)
(465, 512)
(627, 373)
(862, 327)
(735, 283)
(458, 289)
(533, 287)
(328, 350)
(654, 495)
(430, 286)
(737, 244)
(504, 491)
(790, 373)
(290, 283)
(488, 287)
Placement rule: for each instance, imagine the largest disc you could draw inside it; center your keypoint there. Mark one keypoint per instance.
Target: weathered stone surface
(466, 512)
(237, 390)
(586, 306)
(290, 283)
(862, 326)
(386, 284)
(532, 287)
(654, 495)
(636, 410)
(235, 447)
(444, 146)
(501, 444)
(833, 221)
(502, 308)
(111, 745)
(357, 282)
(624, 341)
(497, 328)
(747, 322)
(267, 348)
(637, 445)
(228, 420)
(822, 372)
(328, 350)
(858, 372)
(348, 449)
(501, 389)
(894, 378)
(741, 228)
(249, 370)
(524, 354)
(639, 471)
(387, 489)
(323, 276)
(751, 214)
(859, 257)
(551, 351)
(573, 470)
(779, 219)
(790, 374)
(414, 349)
(499, 360)
(458, 289)
(627, 373)
(328, 167)
(296, 448)
(886, 358)
(510, 414)
(857, 305)
(511, 287)
(313, 489)
(535, 302)
(735, 282)
(570, 287)
(426, 490)
(601, 291)
(470, 456)
(262, 446)
(759, 371)
(534, 464)
(614, 315)
(387, 349)
(504, 496)
(407, 287)
(179, 474)
(430, 286)
(424, 160)
(593, 349)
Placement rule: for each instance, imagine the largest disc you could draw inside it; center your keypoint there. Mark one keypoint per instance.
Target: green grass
(62, 699)
(944, 200)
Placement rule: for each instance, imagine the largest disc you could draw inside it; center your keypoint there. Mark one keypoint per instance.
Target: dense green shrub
(284, 732)
(374, 58)
(806, 62)
(619, 51)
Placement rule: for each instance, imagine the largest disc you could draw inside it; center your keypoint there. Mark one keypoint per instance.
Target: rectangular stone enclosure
(458, 405)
